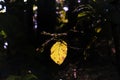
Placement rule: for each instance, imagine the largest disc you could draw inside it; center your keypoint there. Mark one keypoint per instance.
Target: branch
(41, 49)
(54, 34)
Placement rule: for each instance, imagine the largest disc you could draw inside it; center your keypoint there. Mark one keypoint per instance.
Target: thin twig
(47, 41)
(53, 34)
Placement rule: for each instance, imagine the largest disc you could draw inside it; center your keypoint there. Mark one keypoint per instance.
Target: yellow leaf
(82, 14)
(98, 29)
(59, 52)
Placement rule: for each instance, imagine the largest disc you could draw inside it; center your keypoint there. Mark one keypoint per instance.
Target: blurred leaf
(81, 14)
(98, 29)
(62, 18)
(26, 77)
(11, 1)
(41, 50)
(59, 52)
(3, 34)
(85, 55)
(94, 0)
(85, 58)
(12, 77)
(30, 77)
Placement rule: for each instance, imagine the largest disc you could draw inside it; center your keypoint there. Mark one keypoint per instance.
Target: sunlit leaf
(62, 18)
(82, 14)
(98, 29)
(59, 52)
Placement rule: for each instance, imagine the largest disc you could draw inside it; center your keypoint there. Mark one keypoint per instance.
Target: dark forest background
(22, 59)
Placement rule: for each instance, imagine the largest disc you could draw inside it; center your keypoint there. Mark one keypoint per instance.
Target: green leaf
(30, 77)
(94, 0)
(13, 77)
(3, 34)
(82, 14)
